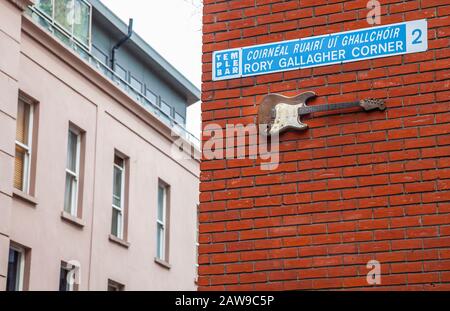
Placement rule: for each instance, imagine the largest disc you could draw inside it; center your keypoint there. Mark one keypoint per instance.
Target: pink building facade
(123, 217)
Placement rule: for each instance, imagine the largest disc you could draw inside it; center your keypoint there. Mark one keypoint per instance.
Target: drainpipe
(119, 44)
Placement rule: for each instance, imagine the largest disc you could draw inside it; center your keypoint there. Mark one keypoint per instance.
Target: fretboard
(319, 108)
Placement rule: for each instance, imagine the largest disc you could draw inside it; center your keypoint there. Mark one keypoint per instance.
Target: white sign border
(410, 27)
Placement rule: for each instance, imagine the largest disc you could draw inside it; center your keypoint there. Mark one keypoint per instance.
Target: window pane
(72, 152)
(166, 108)
(45, 6)
(151, 96)
(23, 121)
(116, 201)
(81, 21)
(19, 168)
(179, 118)
(116, 226)
(121, 72)
(62, 36)
(118, 161)
(69, 197)
(161, 199)
(64, 14)
(160, 242)
(117, 187)
(136, 84)
(13, 278)
(100, 55)
(167, 113)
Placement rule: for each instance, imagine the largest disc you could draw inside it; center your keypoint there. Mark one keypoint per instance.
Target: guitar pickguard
(286, 117)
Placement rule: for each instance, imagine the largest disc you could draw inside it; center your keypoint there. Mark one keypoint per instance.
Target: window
(16, 269)
(166, 116)
(23, 145)
(162, 222)
(63, 13)
(81, 21)
(64, 285)
(45, 6)
(166, 108)
(68, 277)
(151, 96)
(72, 172)
(118, 198)
(73, 16)
(100, 55)
(121, 73)
(179, 119)
(114, 286)
(136, 84)
(151, 101)
(136, 87)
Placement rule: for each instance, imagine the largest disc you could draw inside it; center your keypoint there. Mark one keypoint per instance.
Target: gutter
(120, 43)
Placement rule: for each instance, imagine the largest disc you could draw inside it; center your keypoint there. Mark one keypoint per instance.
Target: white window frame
(121, 208)
(21, 271)
(161, 242)
(74, 199)
(27, 148)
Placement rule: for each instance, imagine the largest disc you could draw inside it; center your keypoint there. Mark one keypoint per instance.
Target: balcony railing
(177, 128)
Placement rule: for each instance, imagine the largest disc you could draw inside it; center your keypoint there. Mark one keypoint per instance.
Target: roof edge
(183, 84)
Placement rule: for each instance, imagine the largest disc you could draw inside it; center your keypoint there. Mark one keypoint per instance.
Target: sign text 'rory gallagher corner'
(343, 47)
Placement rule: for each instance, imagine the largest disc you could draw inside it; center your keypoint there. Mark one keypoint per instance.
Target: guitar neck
(319, 108)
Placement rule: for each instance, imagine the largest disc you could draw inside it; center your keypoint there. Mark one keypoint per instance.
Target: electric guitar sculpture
(279, 113)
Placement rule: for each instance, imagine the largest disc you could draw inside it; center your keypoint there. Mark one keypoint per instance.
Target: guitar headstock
(372, 104)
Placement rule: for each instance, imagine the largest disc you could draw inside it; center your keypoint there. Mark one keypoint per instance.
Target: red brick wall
(352, 188)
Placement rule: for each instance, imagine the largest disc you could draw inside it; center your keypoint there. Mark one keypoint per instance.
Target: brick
(355, 186)
(239, 268)
(223, 279)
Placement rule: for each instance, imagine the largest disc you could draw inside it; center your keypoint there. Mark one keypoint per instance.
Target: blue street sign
(343, 47)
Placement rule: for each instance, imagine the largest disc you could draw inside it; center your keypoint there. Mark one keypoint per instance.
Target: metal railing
(176, 127)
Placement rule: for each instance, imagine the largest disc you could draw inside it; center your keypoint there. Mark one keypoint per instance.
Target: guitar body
(278, 113)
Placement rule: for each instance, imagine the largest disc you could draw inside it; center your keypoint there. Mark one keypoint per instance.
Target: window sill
(163, 263)
(118, 241)
(25, 197)
(72, 219)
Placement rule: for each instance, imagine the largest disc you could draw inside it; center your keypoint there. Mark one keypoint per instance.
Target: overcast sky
(173, 29)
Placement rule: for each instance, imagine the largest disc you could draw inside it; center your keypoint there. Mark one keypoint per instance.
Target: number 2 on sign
(418, 33)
